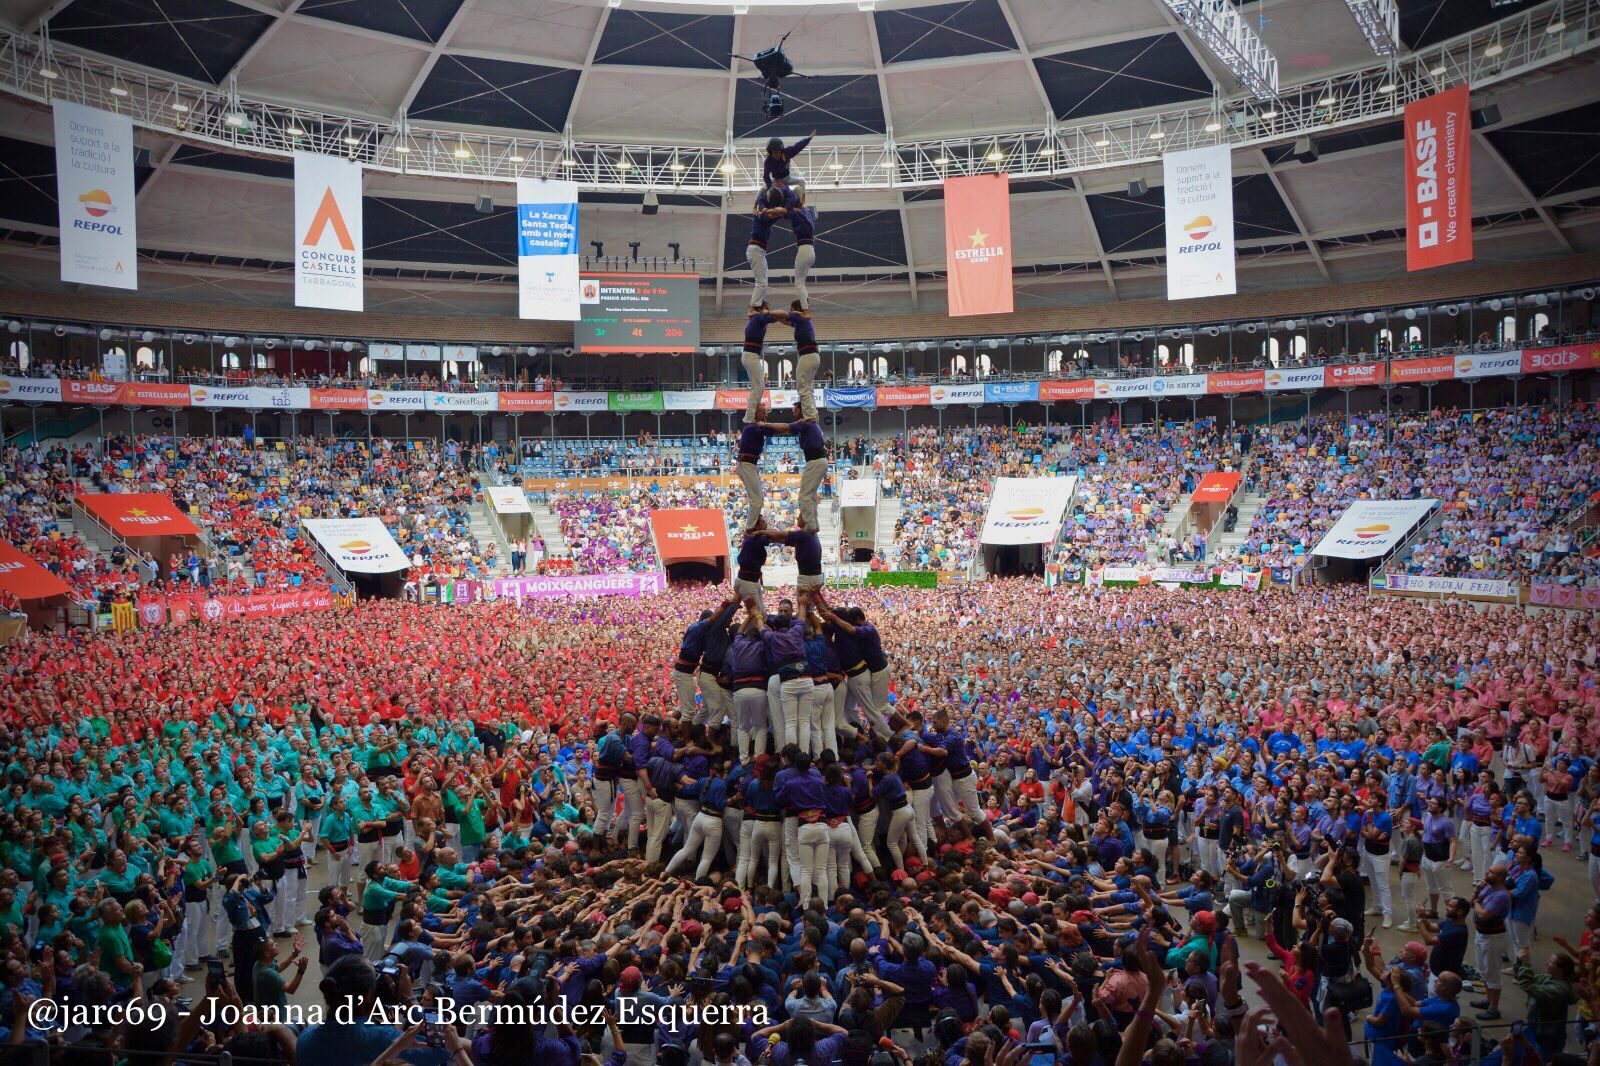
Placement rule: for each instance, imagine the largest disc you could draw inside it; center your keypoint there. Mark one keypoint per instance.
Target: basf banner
(1027, 510)
(94, 197)
(977, 244)
(359, 545)
(547, 250)
(1439, 180)
(1199, 190)
(327, 231)
(1371, 527)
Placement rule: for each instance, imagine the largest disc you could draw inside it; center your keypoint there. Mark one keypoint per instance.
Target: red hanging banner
(1439, 180)
(977, 244)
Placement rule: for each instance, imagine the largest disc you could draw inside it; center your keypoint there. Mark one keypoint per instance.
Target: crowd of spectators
(166, 788)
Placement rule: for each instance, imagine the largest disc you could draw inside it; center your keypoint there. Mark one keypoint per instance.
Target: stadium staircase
(1170, 525)
(828, 528)
(888, 521)
(1248, 503)
(548, 526)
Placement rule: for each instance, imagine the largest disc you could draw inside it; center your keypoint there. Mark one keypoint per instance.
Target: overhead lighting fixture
(1438, 71)
(1047, 151)
(462, 152)
(1103, 142)
(351, 140)
(402, 149)
(1386, 87)
(49, 74)
(995, 155)
(569, 162)
(1228, 36)
(179, 106)
(1213, 126)
(295, 131)
(886, 164)
(1379, 21)
(1556, 26)
(236, 119)
(117, 90)
(727, 166)
(1326, 100)
(1494, 49)
(1156, 134)
(836, 165)
(516, 159)
(623, 164)
(675, 165)
(942, 161)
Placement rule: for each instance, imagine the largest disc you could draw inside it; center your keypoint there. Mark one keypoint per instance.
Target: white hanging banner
(508, 499)
(547, 250)
(1027, 510)
(1369, 528)
(1199, 191)
(360, 545)
(328, 252)
(94, 197)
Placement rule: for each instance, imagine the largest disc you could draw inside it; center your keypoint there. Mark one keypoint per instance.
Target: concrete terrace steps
(548, 525)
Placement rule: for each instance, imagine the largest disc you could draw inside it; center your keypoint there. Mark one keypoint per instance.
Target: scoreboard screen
(638, 313)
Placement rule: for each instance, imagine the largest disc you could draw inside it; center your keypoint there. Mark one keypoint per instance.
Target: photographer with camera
(246, 905)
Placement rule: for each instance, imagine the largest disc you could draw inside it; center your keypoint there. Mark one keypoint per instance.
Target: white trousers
(899, 836)
(811, 476)
(715, 703)
(795, 702)
(805, 377)
(750, 478)
(605, 806)
(759, 839)
(805, 257)
(632, 807)
(658, 821)
(1491, 951)
(813, 858)
(824, 725)
(757, 256)
(750, 721)
(705, 837)
(683, 687)
(922, 825)
(1376, 870)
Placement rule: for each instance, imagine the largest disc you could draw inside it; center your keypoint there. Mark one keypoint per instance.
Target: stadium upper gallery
(995, 532)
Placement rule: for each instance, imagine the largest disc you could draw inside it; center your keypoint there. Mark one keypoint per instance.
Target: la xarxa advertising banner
(1369, 528)
(26, 579)
(359, 545)
(139, 514)
(328, 253)
(1181, 385)
(1027, 510)
(977, 244)
(1199, 222)
(547, 250)
(560, 586)
(1439, 180)
(94, 196)
(690, 533)
(508, 499)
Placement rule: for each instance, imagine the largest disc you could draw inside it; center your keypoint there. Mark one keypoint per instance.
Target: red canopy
(139, 514)
(1217, 487)
(26, 579)
(690, 534)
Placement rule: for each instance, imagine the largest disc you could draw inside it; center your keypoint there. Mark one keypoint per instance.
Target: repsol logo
(1208, 246)
(96, 227)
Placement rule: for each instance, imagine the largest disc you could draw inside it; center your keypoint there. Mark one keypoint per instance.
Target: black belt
(715, 812)
(759, 817)
(754, 577)
(816, 453)
(964, 772)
